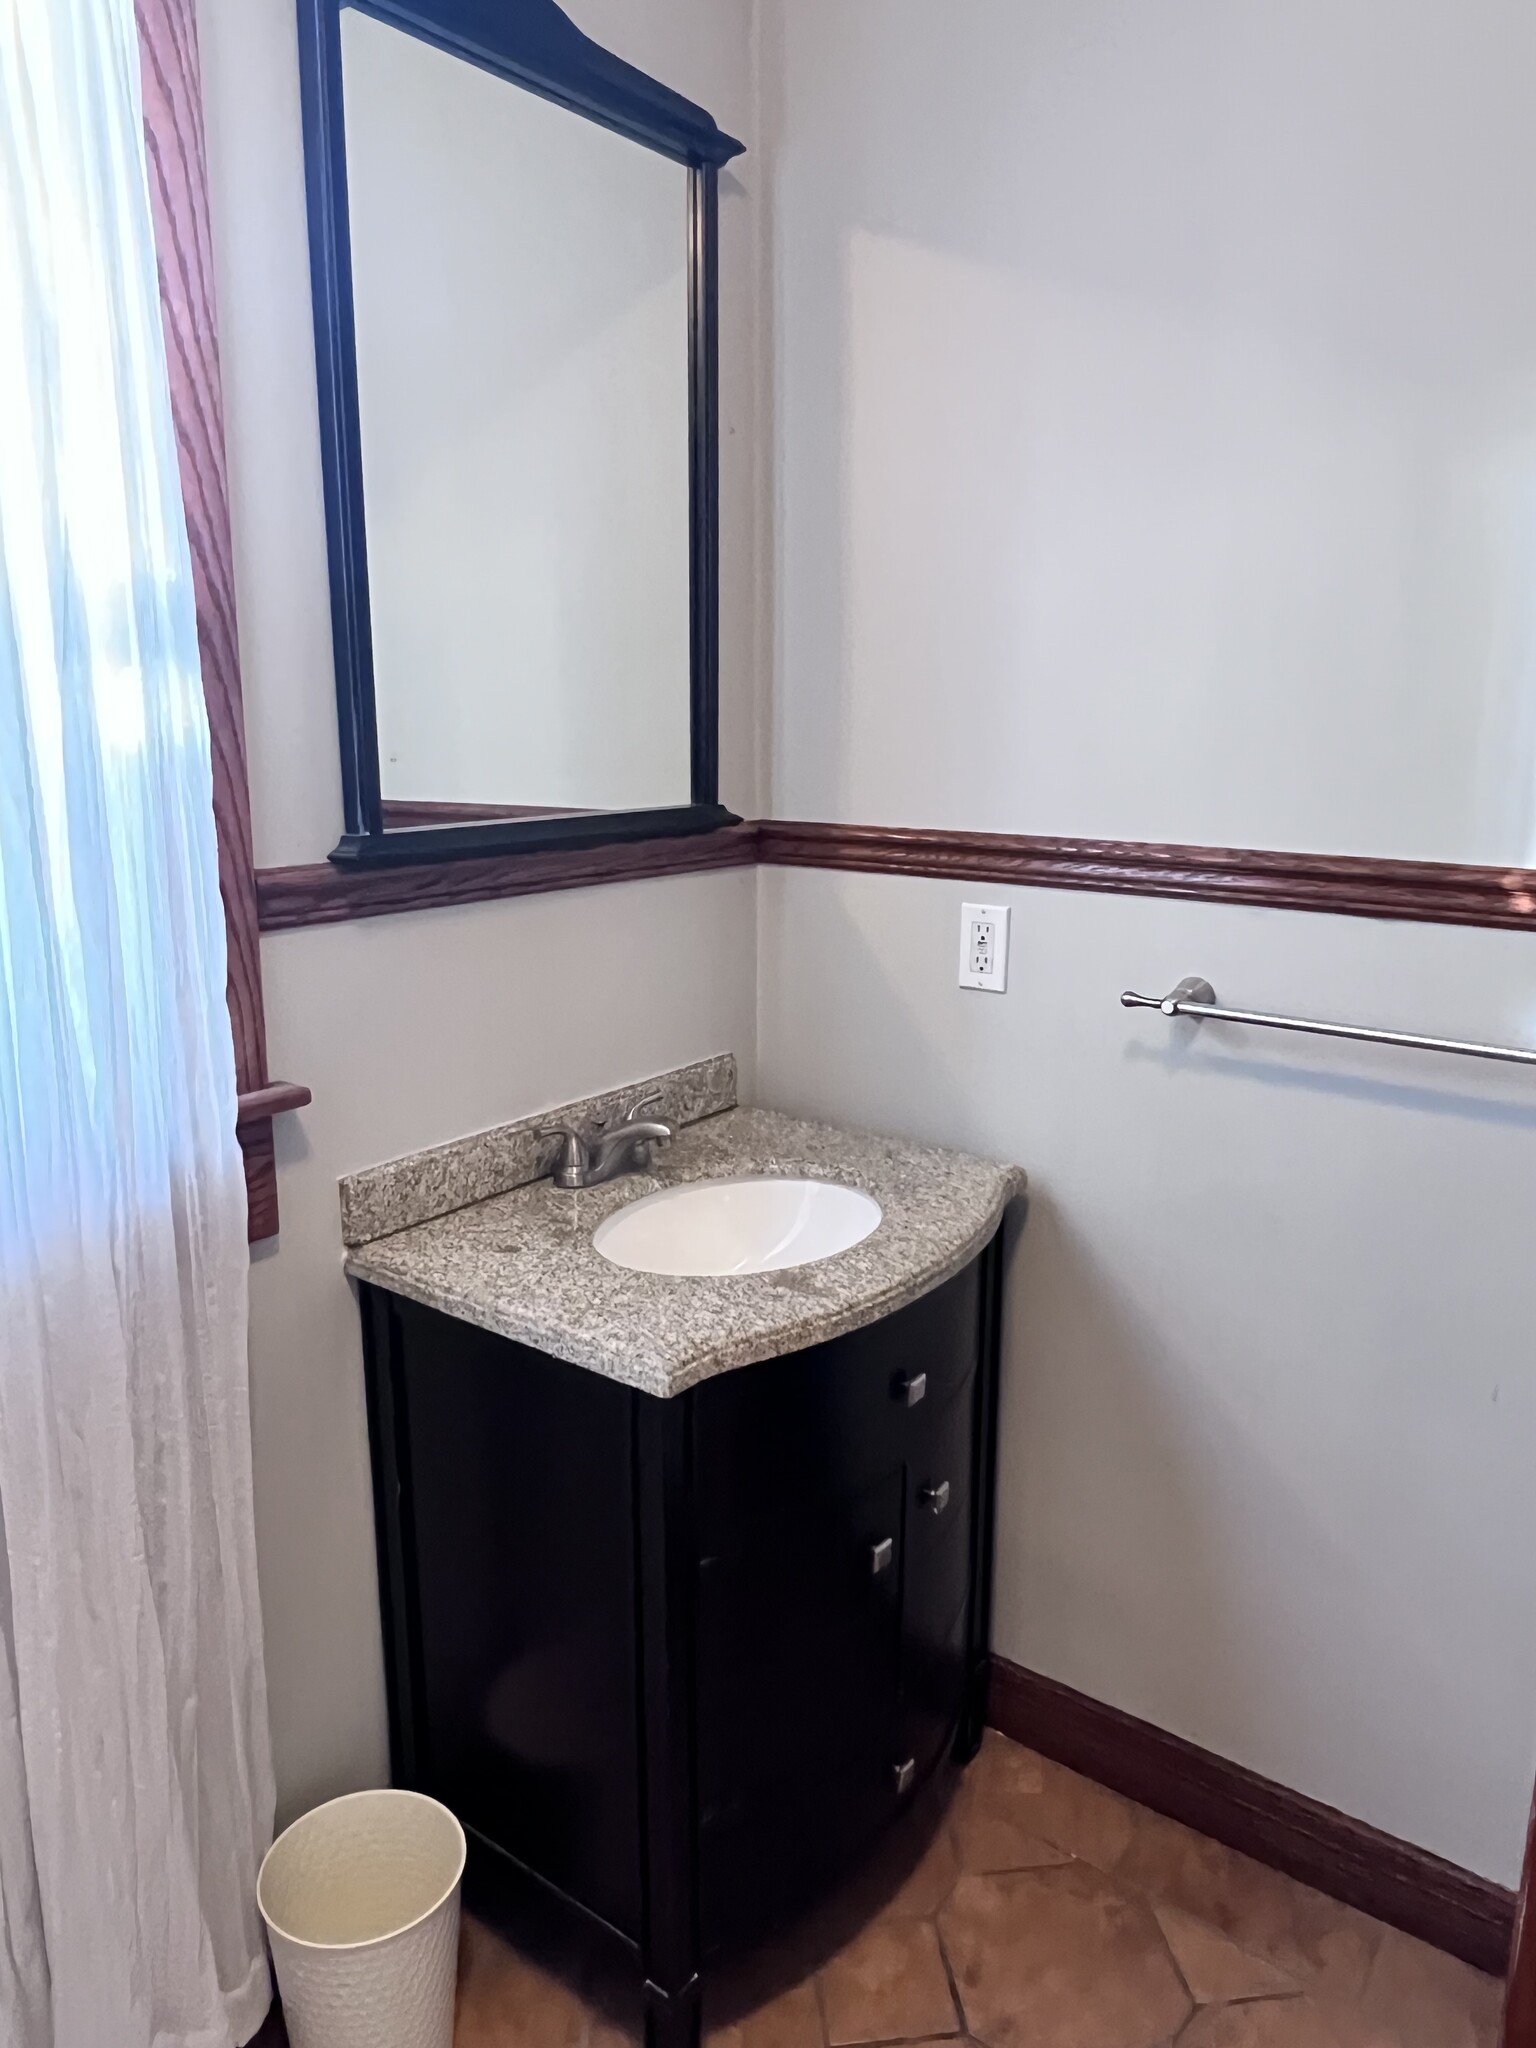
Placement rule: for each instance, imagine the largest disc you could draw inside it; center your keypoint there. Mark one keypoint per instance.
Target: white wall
(1157, 402)
(415, 1029)
(1153, 427)
(1269, 1403)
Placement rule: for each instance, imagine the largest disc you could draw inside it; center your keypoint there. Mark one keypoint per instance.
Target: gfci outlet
(984, 946)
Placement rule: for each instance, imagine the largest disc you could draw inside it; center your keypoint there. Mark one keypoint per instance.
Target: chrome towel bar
(1196, 998)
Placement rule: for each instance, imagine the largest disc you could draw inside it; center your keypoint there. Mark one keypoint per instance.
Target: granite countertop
(522, 1263)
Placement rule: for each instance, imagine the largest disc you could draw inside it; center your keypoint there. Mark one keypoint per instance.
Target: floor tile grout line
(1178, 1968)
(949, 1971)
(1028, 1869)
(915, 2040)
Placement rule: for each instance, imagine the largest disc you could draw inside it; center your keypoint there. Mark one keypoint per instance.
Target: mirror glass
(520, 282)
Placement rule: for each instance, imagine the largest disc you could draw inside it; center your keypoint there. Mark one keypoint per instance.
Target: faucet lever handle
(641, 1102)
(573, 1156)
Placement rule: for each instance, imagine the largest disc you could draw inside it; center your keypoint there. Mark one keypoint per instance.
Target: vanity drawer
(798, 1640)
(773, 1438)
(938, 1515)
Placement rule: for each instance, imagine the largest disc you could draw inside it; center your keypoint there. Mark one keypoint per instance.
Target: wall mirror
(512, 243)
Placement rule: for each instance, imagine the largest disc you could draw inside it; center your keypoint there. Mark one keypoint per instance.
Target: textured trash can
(361, 1901)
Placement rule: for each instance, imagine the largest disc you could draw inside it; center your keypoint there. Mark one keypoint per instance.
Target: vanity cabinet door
(516, 1503)
(799, 1641)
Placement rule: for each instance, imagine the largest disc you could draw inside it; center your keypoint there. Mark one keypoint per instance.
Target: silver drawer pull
(904, 1774)
(935, 1498)
(880, 1555)
(910, 1387)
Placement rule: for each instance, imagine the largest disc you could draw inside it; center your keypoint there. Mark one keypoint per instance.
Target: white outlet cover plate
(983, 932)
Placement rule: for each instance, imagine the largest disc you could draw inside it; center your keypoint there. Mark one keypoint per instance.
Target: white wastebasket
(361, 1901)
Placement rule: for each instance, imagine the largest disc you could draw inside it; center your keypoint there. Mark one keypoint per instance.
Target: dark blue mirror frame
(535, 45)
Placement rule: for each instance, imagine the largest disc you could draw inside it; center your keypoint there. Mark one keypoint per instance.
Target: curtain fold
(135, 1777)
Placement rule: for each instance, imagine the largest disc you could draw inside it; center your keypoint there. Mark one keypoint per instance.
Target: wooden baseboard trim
(1467, 1915)
(291, 898)
(1425, 892)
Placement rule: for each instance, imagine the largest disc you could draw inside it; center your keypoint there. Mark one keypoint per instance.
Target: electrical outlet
(984, 946)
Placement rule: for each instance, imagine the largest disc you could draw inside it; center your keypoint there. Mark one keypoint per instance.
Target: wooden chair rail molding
(291, 898)
(1467, 1915)
(1426, 892)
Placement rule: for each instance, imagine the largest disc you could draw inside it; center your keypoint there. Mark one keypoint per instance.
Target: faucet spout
(625, 1149)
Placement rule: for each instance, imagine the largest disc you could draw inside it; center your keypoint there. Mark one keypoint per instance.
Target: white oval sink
(737, 1226)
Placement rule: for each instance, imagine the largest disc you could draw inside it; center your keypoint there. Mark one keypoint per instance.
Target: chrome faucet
(587, 1158)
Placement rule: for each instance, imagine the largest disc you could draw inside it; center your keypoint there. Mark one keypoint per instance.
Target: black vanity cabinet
(685, 1661)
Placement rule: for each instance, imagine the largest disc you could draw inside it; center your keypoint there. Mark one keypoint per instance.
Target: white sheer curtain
(135, 1780)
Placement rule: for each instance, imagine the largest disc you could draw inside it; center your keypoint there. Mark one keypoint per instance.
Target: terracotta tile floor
(1049, 1913)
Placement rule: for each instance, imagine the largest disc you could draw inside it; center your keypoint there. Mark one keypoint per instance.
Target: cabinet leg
(673, 2018)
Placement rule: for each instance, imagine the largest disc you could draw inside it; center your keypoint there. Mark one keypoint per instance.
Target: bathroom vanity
(685, 1580)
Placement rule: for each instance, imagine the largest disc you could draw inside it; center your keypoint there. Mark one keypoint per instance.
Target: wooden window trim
(178, 190)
